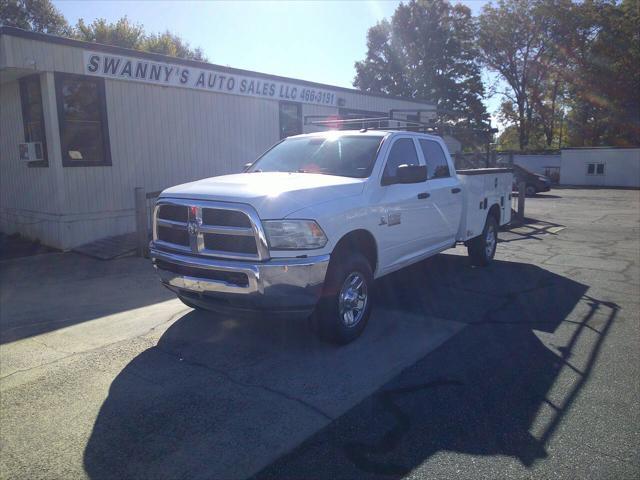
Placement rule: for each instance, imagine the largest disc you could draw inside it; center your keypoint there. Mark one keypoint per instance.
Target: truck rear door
(446, 193)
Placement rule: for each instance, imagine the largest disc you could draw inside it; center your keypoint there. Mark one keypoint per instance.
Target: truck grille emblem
(193, 226)
(194, 223)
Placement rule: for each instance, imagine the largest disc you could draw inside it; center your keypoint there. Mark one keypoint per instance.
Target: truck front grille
(230, 243)
(213, 229)
(225, 218)
(174, 235)
(176, 213)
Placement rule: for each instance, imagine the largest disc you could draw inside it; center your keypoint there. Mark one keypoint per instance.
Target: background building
(601, 166)
(111, 119)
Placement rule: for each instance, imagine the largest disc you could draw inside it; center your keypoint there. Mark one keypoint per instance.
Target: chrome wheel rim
(352, 299)
(490, 241)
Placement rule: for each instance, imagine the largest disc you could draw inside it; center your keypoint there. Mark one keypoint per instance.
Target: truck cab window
(345, 155)
(403, 152)
(437, 166)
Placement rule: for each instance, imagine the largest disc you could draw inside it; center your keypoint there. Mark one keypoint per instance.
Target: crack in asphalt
(57, 350)
(611, 455)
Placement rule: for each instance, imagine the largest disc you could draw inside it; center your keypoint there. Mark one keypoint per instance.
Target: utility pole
(560, 136)
(490, 133)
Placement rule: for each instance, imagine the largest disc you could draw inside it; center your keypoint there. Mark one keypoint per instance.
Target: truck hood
(273, 194)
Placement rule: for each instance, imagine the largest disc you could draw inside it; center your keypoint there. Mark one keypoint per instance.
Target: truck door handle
(455, 190)
(423, 195)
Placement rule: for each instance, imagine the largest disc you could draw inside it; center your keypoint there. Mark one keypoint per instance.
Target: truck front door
(405, 211)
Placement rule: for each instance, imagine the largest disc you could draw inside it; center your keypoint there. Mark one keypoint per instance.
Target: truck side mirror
(411, 173)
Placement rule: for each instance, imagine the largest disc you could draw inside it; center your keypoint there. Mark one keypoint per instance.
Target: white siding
(316, 110)
(28, 196)
(621, 167)
(362, 101)
(42, 56)
(162, 137)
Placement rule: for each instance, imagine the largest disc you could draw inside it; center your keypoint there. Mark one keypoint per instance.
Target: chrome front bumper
(288, 285)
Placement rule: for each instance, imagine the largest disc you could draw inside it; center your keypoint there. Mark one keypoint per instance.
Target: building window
(595, 168)
(82, 115)
(437, 165)
(290, 119)
(33, 115)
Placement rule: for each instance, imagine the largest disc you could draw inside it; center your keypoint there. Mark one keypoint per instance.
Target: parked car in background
(534, 182)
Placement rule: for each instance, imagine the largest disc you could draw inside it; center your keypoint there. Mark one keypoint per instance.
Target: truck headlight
(294, 234)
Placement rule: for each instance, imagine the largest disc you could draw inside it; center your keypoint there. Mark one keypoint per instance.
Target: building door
(290, 119)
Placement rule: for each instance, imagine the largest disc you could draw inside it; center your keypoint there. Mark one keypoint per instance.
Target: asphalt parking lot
(527, 368)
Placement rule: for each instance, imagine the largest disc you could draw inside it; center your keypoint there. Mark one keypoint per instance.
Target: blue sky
(310, 40)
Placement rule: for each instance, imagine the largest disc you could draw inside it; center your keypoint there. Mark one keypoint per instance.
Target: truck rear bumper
(291, 285)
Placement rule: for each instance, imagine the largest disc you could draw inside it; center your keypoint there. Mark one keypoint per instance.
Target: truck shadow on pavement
(487, 391)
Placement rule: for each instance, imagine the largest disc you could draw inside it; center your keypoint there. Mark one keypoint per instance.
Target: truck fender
(359, 240)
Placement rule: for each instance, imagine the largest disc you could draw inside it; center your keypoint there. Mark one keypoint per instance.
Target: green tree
(122, 33)
(518, 39)
(34, 15)
(565, 59)
(604, 50)
(509, 137)
(170, 44)
(427, 51)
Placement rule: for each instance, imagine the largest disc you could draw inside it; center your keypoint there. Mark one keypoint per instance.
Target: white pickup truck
(311, 223)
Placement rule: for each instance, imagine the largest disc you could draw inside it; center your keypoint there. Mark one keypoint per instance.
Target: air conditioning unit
(31, 151)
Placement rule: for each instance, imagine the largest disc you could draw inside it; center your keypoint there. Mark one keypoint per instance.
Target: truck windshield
(345, 155)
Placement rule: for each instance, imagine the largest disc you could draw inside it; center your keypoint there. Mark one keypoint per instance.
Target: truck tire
(530, 191)
(482, 248)
(344, 309)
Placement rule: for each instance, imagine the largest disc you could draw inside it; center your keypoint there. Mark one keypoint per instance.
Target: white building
(110, 119)
(601, 166)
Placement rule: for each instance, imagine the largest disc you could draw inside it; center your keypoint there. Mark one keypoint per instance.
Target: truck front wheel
(344, 309)
(482, 248)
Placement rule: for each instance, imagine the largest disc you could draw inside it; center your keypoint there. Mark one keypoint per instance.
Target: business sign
(173, 75)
